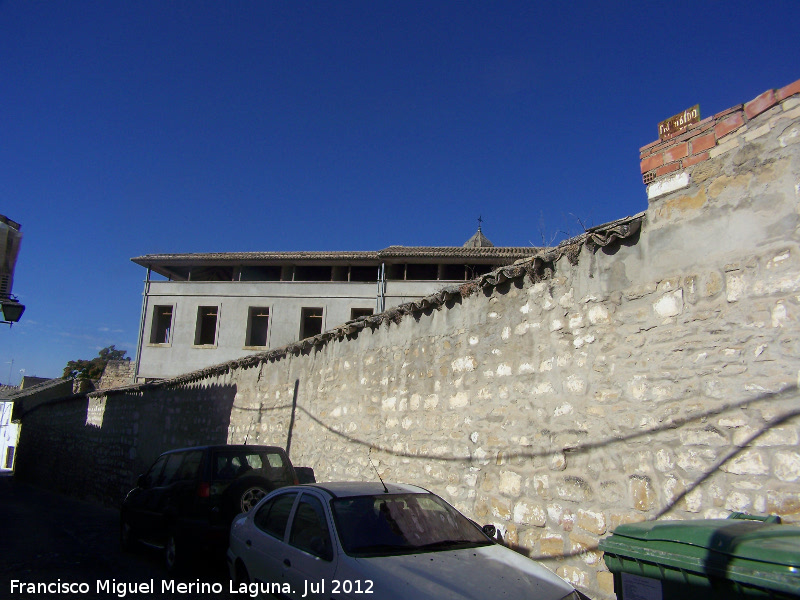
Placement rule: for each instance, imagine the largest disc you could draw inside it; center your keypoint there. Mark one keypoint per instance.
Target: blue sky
(132, 128)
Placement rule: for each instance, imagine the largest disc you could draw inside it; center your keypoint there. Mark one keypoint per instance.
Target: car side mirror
(489, 530)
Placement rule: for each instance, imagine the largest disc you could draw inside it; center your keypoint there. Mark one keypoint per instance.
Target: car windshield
(389, 524)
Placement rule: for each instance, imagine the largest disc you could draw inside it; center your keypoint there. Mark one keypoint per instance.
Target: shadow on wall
(94, 446)
(785, 416)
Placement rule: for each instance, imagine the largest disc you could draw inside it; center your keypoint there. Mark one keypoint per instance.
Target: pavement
(73, 547)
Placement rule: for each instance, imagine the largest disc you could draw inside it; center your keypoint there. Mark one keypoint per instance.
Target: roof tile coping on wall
(697, 143)
(538, 267)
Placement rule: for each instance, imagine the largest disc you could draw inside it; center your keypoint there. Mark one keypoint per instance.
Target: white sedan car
(367, 540)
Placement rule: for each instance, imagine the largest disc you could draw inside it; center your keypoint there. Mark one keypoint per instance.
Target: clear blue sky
(130, 128)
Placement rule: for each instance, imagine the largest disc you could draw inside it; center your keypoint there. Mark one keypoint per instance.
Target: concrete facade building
(215, 307)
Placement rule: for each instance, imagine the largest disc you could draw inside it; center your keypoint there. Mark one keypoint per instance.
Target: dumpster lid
(750, 540)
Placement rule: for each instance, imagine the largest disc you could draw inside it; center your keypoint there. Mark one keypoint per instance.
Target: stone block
(783, 502)
(591, 521)
(528, 513)
(575, 489)
(551, 545)
(605, 582)
(642, 493)
(786, 465)
(577, 577)
(510, 483)
(749, 462)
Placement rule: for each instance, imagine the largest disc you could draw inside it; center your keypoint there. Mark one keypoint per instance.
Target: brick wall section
(710, 136)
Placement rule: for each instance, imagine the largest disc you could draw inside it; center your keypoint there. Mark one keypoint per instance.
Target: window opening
(162, 325)
(260, 273)
(453, 272)
(257, 326)
(310, 322)
(355, 313)
(364, 274)
(206, 332)
(422, 272)
(312, 273)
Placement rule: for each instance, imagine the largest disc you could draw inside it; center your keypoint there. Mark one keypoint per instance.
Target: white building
(9, 436)
(214, 307)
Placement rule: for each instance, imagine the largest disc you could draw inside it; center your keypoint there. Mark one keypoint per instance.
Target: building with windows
(204, 309)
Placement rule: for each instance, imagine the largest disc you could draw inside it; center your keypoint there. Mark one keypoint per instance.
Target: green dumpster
(705, 559)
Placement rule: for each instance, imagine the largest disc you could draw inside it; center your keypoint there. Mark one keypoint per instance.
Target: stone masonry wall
(634, 373)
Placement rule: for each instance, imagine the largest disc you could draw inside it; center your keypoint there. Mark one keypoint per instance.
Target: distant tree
(93, 369)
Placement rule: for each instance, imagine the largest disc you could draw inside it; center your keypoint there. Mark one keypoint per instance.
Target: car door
(309, 556)
(157, 508)
(181, 496)
(138, 504)
(263, 551)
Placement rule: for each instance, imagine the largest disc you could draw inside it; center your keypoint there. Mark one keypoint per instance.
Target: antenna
(385, 489)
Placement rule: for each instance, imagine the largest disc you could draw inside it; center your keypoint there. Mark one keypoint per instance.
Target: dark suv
(189, 497)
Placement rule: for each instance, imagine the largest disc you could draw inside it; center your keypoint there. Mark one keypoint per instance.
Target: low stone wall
(647, 369)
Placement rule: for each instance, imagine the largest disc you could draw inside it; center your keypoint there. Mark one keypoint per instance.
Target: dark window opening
(206, 332)
(310, 322)
(312, 273)
(9, 457)
(162, 325)
(453, 272)
(355, 313)
(212, 273)
(339, 274)
(420, 272)
(257, 326)
(474, 271)
(364, 274)
(396, 272)
(260, 273)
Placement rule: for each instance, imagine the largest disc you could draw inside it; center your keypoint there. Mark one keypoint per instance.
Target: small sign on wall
(679, 123)
(635, 587)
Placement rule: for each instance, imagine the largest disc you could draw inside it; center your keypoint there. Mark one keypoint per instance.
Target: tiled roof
(393, 252)
(35, 389)
(478, 241)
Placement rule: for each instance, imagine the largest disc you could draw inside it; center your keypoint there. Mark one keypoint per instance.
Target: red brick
(650, 163)
(758, 105)
(649, 146)
(789, 90)
(703, 142)
(668, 169)
(697, 158)
(676, 152)
(725, 126)
(732, 109)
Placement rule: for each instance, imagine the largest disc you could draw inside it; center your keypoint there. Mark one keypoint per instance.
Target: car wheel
(127, 540)
(251, 496)
(244, 495)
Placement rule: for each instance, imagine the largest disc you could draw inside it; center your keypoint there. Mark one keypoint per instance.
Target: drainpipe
(141, 326)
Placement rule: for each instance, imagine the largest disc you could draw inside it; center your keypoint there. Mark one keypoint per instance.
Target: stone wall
(118, 373)
(646, 369)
